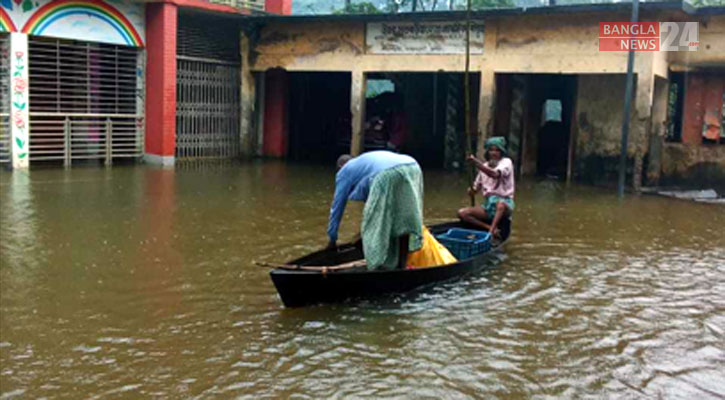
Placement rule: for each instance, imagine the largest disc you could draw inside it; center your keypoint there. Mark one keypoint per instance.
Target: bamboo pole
(315, 268)
(467, 94)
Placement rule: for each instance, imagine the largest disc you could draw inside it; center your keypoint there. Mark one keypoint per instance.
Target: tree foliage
(364, 7)
(484, 4)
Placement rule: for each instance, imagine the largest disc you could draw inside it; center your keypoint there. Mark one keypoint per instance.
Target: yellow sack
(431, 254)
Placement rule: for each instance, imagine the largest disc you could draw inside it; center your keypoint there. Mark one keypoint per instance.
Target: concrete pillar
(518, 120)
(486, 101)
(260, 80)
(357, 108)
(248, 102)
(276, 129)
(640, 125)
(533, 104)
(644, 97)
(161, 24)
(658, 130)
(20, 101)
(573, 130)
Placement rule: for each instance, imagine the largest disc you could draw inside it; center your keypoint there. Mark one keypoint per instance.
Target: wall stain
(275, 37)
(328, 45)
(515, 43)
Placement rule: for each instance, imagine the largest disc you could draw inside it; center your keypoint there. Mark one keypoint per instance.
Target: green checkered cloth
(394, 208)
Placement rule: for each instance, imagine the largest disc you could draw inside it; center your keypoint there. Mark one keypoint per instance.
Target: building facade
(173, 80)
(537, 77)
(98, 80)
(73, 73)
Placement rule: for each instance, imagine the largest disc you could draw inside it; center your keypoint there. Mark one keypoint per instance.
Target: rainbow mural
(48, 14)
(6, 24)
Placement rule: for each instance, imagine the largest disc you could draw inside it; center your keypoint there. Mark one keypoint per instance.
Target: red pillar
(276, 99)
(278, 6)
(161, 22)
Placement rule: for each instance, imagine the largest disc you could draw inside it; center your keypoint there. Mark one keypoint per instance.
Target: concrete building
(539, 79)
(166, 81)
(108, 80)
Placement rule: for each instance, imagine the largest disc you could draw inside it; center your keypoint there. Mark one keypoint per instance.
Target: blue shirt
(353, 181)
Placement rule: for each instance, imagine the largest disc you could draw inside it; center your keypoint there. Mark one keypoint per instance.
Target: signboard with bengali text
(422, 37)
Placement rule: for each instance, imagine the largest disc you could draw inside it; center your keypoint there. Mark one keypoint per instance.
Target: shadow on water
(137, 281)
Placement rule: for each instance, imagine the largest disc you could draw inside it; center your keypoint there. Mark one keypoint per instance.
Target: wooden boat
(305, 287)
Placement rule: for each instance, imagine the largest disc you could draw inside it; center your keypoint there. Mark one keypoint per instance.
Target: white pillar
(247, 130)
(357, 108)
(19, 101)
(260, 99)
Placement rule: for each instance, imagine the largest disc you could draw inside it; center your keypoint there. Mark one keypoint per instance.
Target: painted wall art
(107, 21)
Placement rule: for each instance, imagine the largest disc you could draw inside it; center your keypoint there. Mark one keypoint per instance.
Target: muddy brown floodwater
(138, 282)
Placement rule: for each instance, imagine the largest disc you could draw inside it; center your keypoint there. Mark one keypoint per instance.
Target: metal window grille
(208, 88)
(207, 110)
(83, 101)
(4, 99)
(208, 37)
(255, 5)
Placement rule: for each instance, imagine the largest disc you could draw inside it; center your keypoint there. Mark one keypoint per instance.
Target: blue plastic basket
(465, 243)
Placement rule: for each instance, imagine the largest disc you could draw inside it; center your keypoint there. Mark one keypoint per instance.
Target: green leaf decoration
(19, 142)
(22, 155)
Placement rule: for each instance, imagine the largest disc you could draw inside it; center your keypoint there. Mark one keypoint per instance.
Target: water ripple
(150, 292)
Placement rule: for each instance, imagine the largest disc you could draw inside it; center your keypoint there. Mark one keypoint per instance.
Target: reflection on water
(138, 281)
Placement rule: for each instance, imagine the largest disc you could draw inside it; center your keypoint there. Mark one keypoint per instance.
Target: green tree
(396, 6)
(364, 7)
(484, 4)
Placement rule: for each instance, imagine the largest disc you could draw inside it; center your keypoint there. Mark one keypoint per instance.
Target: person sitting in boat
(495, 181)
(391, 185)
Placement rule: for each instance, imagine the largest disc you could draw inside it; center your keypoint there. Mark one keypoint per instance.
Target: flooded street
(135, 281)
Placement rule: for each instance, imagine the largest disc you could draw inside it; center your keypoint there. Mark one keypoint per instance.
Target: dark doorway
(420, 114)
(554, 106)
(319, 115)
(535, 113)
(553, 136)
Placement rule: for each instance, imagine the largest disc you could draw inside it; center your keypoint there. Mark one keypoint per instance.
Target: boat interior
(350, 252)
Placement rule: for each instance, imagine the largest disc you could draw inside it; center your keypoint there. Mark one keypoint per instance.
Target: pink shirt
(503, 186)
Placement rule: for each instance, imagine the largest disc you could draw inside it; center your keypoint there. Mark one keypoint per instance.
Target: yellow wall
(711, 51)
(524, 44)
(556, 44)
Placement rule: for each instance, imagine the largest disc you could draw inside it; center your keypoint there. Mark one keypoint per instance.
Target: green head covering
(498, 141)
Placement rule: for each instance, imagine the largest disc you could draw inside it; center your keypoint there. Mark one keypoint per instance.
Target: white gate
(83, 101)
